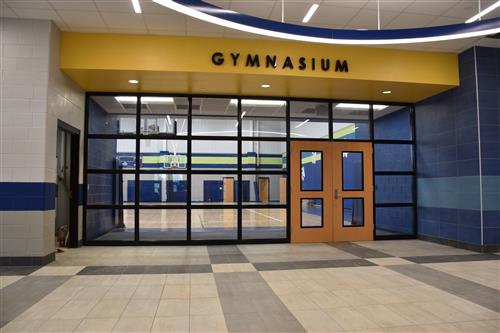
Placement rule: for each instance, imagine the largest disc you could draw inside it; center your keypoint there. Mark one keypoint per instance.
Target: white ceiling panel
(201, 26)
(128, 31)
(392, 5)
(85, 5)
(29, 4)
(465, 9)
(259, 8)
(406, 20)
(150, 7)
(82, 19)
(328, 14)
(165, 22)
(123, 20)
(347, 3)
(294, 11)
(435, 7)
(6, 11)
(117, 6)
(167, 32)
(367, 19)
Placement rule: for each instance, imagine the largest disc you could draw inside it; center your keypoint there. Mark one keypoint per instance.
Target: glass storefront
(191, 169)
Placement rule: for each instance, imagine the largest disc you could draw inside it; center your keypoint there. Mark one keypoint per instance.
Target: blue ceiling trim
(340, 34)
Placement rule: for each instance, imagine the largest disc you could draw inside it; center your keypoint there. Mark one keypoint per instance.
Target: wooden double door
(331, 191)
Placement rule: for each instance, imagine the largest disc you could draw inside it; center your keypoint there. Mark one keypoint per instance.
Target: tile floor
(383, 286)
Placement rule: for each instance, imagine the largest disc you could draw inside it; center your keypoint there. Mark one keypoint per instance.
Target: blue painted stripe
(27, 196)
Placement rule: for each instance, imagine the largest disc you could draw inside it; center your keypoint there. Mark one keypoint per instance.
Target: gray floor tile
(17, 270)
(453, 258)
(273, 266)
(102, 270)
(228, 258)
(359, 251)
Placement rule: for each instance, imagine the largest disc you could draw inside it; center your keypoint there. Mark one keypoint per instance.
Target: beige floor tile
(350, 319)
(141, 308)
(475, 311)
(128, 280)
(57, 270)
(354, 297)
(173, 308)
(137, 325)
(440, 328)
(120, 292)
(205, 306)
(414, 313)
(63, 293)
(477, 327)
(108, 308)
(326, 300)
(383, 316)
(317, 321)
(298, 302)
(176, 291)
(225, 268)
(444, 312)
(74, 309)
(283, 287)
(6, 280)
(383, 295)
(178, 279)
(211, 323)
(171, 324)
(153, 279)
(389, 261)
(94, 293)
(97, 325)
(203, 278)
(59, 325)
(42, 310)
(203, 291)
(404, 329)
(148, 292)
(22, 326)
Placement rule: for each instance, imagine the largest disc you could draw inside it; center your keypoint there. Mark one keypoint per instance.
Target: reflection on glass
(352, 121)
(264, 155)
(311, 171)
(210, 154)
(110, 224)
(263, 118)
(394, 189)
(353, 212)
(108, 189)
(308, 120)
(216, 189)
(161, 189)
(264, 189)
(162, 224)
(111, 154)
(311, 213)
(112, 114)
(215, 117)
(394, 221)
(393, 157)
(214, 224)
(263, 223)
(392, 123)
(352, 171)
(163, 154)
(164, 115)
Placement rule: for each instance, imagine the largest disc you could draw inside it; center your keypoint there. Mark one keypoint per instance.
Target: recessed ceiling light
(484, 12)
(360, 106)
(149, 100)
(137, 6)
(310, 13)
(133, 81)
(265, 85)
(258, 102)
(386, 92)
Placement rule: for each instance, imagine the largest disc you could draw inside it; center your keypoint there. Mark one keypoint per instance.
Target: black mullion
(137, 188)
(415, 192)
(288, 187)
(189, 169)
(240, 176)
(85, 167)
(374, 199)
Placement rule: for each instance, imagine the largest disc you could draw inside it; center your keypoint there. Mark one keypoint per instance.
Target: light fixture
(376, 107)
(258, 102)
(133, 81)
(237, 123)
(243, 114)
(310, 12)
(387, 92)
(169, 120)
(150, 100)
(265, 85)
(137, 6)
(484, 12)
(126, 99)
(233, 20)
(302, 123)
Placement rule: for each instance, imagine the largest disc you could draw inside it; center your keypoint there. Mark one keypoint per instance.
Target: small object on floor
(59, 250)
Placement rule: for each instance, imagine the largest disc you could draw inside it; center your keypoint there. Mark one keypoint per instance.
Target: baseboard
(461, 245)
(27, 261)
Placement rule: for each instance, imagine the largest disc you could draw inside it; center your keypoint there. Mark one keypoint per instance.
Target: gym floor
(379, 286)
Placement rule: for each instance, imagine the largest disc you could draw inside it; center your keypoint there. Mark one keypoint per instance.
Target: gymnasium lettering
(272, 61)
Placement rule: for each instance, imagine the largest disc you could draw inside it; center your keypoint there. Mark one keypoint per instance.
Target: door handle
(336, 193)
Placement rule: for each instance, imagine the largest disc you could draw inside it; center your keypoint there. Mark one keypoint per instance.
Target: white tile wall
(34, 94)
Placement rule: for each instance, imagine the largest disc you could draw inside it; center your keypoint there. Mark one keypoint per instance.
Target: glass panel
(351, 121)
(215, 117)
(110, 224)
(393, 157)
(264, 118)
(214, 224)
(264, 155)
(311, 213)
(162, 189)
(392, 123)
(112, 114)
(264, 189)
(111, 154)
(162, 224)
(108, 189)
(308, 120)
(262, 223)
(312, 171)
(393, 189)
(209, 154)
(352, 171)
(217, 189)
(353, 212)
(164, 115)
(394, 221)
(163, 154)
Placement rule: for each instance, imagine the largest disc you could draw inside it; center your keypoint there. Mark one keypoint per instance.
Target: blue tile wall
(393, 126)
(448, 154)
(16, 196)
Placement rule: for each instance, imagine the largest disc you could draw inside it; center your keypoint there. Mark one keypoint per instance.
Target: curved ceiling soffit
(251, 24)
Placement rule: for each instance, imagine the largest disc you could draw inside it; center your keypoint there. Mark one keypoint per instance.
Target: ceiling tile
(390, 5)
(117, 6)
(165, 22)
(167, 32)
(85, 5)
(150, 7)
(465, 9)
(332, 15)
(405, 21)
(347, 3)
(367, 19)
(443, 20)
(82, 19)
(29, 4)
(6, 11)
(128, 31)
(259, 8)
(435, 7)
(123, 21)
(196, 25)
(294, 11)
(76, 28)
